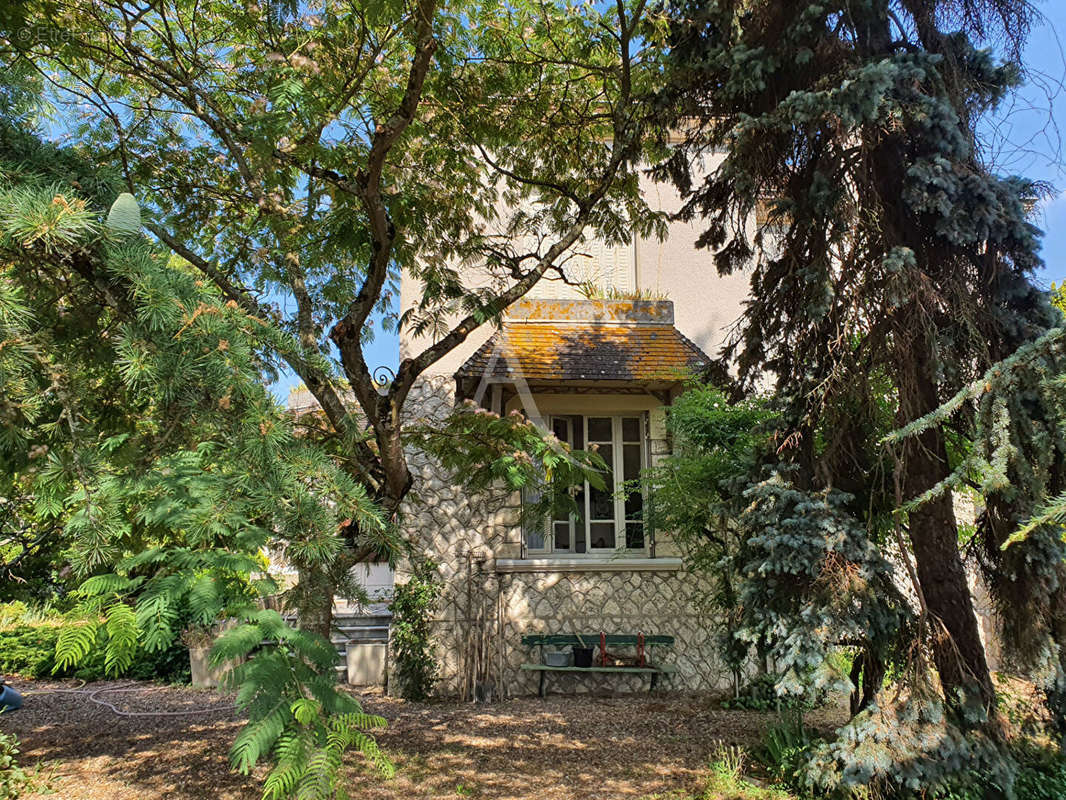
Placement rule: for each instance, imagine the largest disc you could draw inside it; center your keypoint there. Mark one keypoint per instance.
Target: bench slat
(592, 640)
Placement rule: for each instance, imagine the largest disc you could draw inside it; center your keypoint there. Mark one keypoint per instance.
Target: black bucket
(583, 656)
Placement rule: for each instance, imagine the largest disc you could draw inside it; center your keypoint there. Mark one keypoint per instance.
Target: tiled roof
(586, 351)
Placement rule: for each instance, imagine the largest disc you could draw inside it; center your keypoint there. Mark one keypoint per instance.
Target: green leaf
(124, 218)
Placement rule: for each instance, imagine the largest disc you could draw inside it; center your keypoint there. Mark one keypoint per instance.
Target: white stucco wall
(705, 304)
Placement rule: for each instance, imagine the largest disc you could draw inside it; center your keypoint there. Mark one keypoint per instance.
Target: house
(596, 372)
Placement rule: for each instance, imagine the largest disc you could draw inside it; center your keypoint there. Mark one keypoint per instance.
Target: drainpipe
(649, 528)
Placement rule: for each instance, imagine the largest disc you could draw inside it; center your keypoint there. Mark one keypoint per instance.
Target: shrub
(760, 694)
(30, 652)
(412, 608)
(726, 779)
(12, 777)
(1041, 775)
(786, 748)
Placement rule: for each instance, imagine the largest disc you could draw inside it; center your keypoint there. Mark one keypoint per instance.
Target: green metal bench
(600, 641)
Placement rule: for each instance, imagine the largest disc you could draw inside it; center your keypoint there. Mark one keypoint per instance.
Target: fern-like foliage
(490, 452)
(296, 713)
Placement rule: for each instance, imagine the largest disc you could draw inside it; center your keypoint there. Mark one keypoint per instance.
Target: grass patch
(726, 781)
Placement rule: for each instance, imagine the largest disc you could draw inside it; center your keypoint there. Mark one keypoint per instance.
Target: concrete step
(341, 644)
(361, 622)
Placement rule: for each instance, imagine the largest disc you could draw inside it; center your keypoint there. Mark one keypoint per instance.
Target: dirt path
(554, 749)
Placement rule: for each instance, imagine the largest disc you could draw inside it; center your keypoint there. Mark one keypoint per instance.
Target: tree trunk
(313, 598)
(1056, 693)
(959, 656)
(957, 649)
(867, 676)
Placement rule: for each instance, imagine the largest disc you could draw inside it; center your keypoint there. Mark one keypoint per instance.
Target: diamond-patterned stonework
(484, 613)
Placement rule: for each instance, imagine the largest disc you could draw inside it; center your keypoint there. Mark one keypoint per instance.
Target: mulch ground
(554, 749)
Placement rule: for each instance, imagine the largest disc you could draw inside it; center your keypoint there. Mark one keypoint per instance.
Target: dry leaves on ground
(554, 749)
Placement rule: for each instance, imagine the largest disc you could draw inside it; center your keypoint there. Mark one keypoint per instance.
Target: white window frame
(618, 476)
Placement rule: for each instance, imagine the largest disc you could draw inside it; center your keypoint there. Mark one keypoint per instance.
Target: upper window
(608, 519)
(604, 268)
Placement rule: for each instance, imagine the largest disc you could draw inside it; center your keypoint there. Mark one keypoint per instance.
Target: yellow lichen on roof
(586, 351)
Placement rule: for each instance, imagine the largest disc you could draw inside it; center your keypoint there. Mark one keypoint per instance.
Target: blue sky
(1023, 138)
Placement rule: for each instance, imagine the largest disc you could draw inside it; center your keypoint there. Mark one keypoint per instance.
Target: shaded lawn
(561, 747)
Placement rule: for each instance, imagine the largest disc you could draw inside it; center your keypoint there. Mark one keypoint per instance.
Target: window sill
(589, 564)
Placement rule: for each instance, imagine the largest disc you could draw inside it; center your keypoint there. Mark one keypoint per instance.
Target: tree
(1018, 409)
(137, 433)
(302, 162)
(305, 162)
(890, 251)
(795, 576)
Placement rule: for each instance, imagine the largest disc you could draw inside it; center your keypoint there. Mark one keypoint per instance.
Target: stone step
(361, 622)
(342, 643)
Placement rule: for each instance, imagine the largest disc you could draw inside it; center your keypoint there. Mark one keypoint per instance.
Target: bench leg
(542, 676)
(654, 682)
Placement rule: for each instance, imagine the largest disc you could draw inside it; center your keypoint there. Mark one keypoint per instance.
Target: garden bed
(561, 747)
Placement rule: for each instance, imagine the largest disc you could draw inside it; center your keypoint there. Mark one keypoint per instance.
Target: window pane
(601, 534)
(562, 506)
(635, 505)
(534, 537)
(601, 505)
(562, 535)
(579, 538)
(533, 529)
(579, 432)
(630, 462)
(630, 429)
(635, 535)
(634, 500)
(600, 429)
(561, 429)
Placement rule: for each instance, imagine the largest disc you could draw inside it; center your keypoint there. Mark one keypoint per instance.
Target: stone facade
(491, 598)
(623, 601)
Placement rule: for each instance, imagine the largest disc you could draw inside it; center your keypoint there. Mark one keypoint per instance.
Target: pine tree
(136, 428)
(889, 251)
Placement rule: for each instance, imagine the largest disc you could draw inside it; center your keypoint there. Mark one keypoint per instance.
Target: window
(606, 519)
(605, 269)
